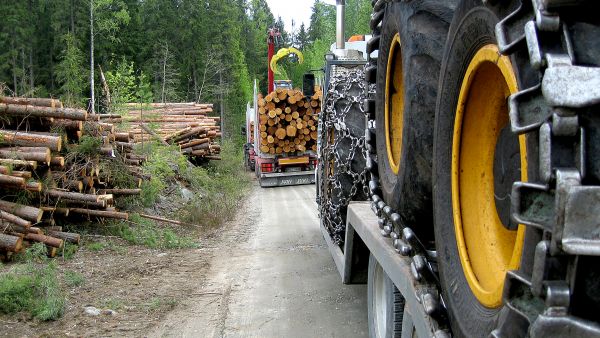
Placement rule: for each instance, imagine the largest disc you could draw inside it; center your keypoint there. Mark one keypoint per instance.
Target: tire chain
(561, 125)
(423, 263)
(558, 128)
(333, 119)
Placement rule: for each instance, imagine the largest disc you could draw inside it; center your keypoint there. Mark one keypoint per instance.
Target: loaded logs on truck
(186, 125)
(288, 121)
(54, 164)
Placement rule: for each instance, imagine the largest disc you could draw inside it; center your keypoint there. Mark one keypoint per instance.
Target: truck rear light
(266, 167)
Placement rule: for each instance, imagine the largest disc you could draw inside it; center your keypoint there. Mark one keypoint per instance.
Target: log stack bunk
(186, 125)
(42, 179)
(288, 121)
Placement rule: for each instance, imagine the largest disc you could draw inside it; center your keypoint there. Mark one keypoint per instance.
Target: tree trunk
(120, 191)
(67, 236)
(32, 140)
(14, 64)
(24, 174)
(164, 77)
(17, 155)
(78, 196)
(93, 101)
(61, 113)
(11, 181)
(151, 132)
(14, 219)
(26, 101)
(101, 213)
(31, 79)
(48, 240)
(56, 210)
(10, 243)
(23, 77)
(106, 89)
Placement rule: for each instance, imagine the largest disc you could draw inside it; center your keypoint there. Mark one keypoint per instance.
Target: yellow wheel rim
(486, 248)
(394, 105)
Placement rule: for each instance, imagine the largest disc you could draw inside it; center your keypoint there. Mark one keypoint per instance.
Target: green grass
(221, 184)
(32, 287)
(73, 278)
(224, 185)
(113, 304)
(69, 250)
(37, 253)
(96, 246)
(145, 232)
(157, 303)
(88, 145)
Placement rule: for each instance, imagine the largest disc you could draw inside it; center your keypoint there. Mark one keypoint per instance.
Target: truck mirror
(308, 84)
(243, 131)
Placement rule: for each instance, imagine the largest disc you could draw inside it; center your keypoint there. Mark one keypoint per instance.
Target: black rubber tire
(395, 304)
(472, 27)
(422, 27)
(345, 121)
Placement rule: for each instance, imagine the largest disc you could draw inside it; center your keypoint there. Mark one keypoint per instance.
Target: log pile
(184, 124)
(288, 121)
(58, 163)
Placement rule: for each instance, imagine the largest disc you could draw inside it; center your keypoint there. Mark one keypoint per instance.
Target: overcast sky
(297, 10)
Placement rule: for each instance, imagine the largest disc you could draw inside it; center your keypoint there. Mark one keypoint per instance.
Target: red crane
(273, 36)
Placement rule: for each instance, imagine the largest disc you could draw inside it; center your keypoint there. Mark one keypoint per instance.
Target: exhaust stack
(340, 11)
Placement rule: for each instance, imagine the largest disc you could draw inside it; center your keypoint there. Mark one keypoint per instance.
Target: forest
(156, 50)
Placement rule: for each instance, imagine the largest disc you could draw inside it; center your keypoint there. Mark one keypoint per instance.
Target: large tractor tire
(342, 172)
(385, 304)
(477, 158)
(410, 51)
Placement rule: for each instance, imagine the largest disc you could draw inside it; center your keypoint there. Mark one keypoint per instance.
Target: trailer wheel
(410, 51)
(477, 159)
(385, 308)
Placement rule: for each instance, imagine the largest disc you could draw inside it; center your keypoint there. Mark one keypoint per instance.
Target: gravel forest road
(271, 276)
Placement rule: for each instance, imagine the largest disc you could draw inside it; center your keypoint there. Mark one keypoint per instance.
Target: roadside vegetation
(150, 51)
(33, 285)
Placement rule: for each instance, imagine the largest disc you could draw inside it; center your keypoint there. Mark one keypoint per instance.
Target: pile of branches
(59, 163)
(288, 121)
(184, 124)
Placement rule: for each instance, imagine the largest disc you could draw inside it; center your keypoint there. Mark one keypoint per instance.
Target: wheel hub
(507, 165)
(380, 302)
(486, 159)
(394, 104)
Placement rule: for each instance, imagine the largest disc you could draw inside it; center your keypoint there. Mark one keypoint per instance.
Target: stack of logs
(288, 121)
(185, 124)
(41, 180)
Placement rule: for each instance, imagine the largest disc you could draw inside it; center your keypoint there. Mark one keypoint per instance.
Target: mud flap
(284, 179)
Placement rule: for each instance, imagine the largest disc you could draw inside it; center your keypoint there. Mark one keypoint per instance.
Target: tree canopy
(178, 50)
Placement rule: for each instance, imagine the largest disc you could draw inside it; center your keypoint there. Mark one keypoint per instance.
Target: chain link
(342, 181)
(560, 195)
(405, 241)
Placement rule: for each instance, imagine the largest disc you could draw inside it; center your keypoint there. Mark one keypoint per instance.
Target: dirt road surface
(271, 275)
(266, 274)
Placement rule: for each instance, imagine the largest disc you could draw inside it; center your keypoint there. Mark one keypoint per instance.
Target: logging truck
(459, 169)
(281, 130)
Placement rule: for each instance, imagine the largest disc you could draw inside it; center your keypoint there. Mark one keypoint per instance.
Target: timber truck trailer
(464, 188)
(283, 169)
